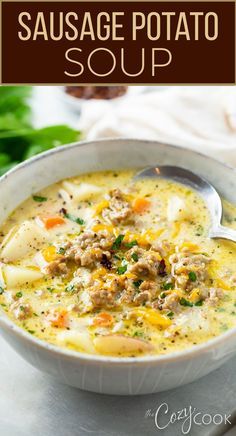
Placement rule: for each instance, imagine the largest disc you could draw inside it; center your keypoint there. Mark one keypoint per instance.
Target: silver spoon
(204, 188)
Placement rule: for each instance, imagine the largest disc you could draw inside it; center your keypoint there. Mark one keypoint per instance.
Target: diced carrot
(52, 221)
(103, 319)
(140, 205)
(59, 319)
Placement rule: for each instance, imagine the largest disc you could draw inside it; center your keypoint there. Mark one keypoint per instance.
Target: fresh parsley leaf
(32, 332)
(167, 286)
(224, 327)
(61, 250)
(137, 283)
(221, 309)
(138, 334)
(19, 294)
(121, 269)
(4, 159)
(39, 199)
(19, 140)
(162, 295)
(170, 314)
(199, 230)
(199, 303)
(1, 290)
(131, 244)
(8, 167)
(185, 302)
(73, 218)
(135, 257)
(192, 276)
(117, 243)
(70, 288)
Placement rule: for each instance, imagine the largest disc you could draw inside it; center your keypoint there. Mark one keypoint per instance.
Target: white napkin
(202, 118)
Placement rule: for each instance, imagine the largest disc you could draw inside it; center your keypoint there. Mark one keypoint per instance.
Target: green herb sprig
(19, 140)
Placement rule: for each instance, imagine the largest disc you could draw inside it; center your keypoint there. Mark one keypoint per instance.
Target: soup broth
(104, 265)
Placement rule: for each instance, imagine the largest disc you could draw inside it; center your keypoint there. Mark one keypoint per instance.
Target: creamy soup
(102, 265)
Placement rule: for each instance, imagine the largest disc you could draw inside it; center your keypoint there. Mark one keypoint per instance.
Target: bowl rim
(204, 347)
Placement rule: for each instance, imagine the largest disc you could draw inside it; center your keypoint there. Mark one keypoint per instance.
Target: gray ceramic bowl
(110, 374)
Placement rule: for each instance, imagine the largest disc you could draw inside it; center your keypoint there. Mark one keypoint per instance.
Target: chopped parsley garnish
(123, 268)
(163, 295)
(192, 276)
(220, 309)
(61, 250)
(224, 327)
(1, 290)
(39, 199)
(116, 245)
(199, 303)
(185, 302)
(32, 332)
(131, 244)
(19, 294)
(199, 230)
(75, 219)
(50, 290)
(167, 286)
(70, 288)
(138, 334)
(170, 314)
(134, 257)
(137, 283)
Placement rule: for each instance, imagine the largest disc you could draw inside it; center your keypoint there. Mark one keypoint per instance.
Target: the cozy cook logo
(187, 417)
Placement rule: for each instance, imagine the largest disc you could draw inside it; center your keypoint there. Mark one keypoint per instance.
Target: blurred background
(35, 119)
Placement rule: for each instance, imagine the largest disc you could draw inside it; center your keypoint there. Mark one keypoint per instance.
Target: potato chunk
(81, 192)
(26, 238)
(15, 276)
(119, 344)
(79, 340)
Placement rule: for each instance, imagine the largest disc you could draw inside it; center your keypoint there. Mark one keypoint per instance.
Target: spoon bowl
(199, 184)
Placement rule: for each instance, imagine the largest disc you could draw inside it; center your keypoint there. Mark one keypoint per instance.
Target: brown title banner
(118, 42)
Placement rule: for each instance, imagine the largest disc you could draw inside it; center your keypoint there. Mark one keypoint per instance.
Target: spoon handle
(223, 233)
